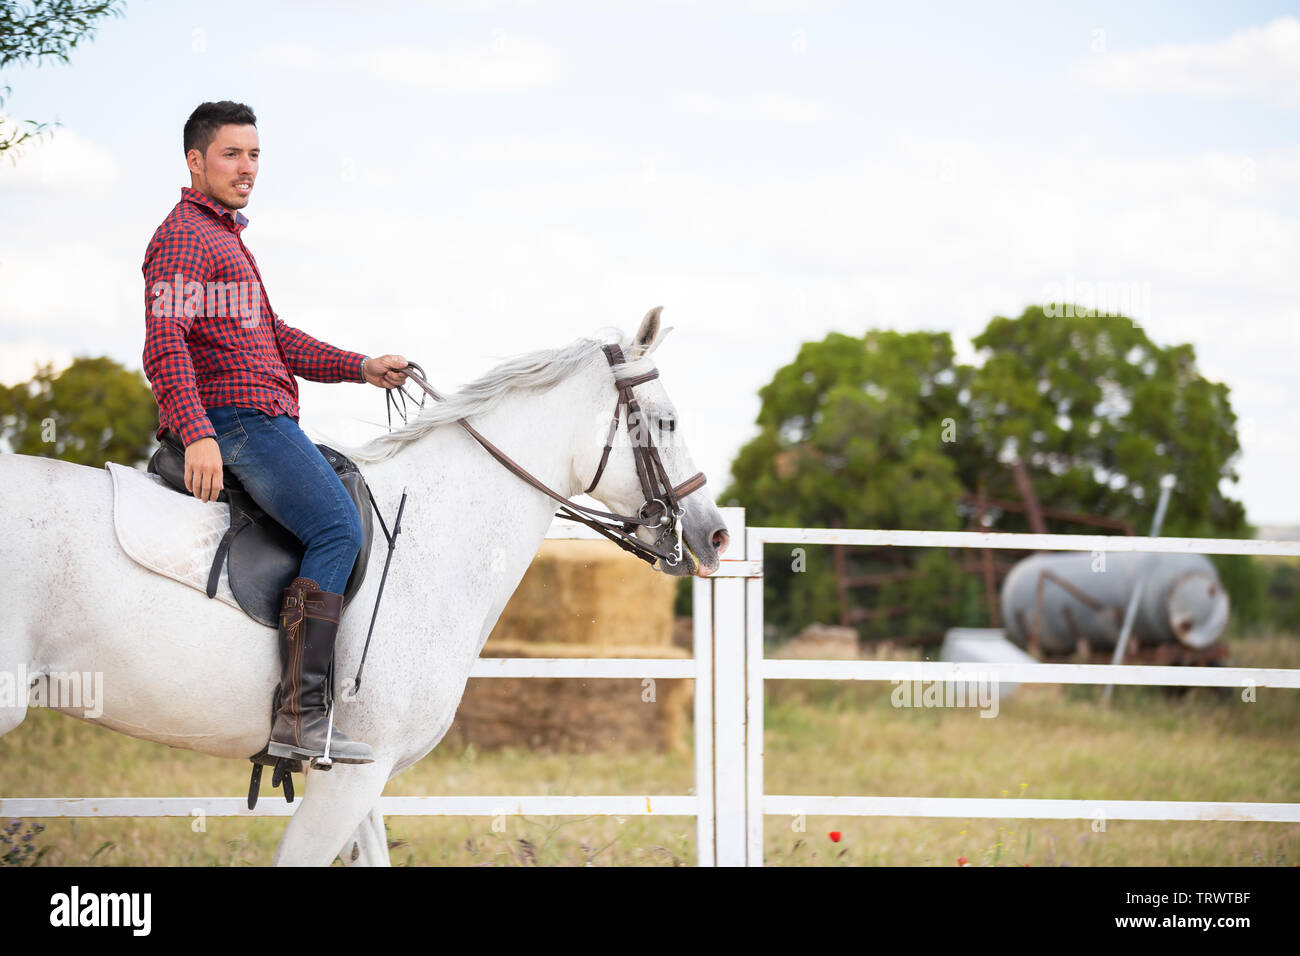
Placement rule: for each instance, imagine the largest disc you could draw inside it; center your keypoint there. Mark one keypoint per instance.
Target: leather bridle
(660, 511)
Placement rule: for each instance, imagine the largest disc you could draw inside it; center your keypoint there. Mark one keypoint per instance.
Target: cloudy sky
(458, 182)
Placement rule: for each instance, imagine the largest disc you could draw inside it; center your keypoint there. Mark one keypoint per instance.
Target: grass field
(821, 737)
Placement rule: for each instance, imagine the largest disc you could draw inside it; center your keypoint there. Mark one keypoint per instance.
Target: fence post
(754, 700)
(729, 707)
(702, 646)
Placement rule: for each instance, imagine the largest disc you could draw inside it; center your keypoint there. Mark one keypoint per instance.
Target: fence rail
(1153, 675)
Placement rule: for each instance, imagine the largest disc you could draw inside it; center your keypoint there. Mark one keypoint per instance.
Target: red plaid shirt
(211, 336)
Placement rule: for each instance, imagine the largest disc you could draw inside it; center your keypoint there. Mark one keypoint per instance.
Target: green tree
(888, 431)
(1099, 413)
(36, 30)
(852, 433)
(92, 412)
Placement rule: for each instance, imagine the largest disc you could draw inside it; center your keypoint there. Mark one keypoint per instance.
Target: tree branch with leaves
(34, 31)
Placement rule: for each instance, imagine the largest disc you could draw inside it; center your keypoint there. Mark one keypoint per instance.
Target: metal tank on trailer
(1065, 599)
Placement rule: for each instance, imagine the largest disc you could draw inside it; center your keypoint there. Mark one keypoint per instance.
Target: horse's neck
(471, 527)
(534, 427)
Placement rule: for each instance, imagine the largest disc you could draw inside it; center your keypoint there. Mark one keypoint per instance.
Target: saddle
(263, 557)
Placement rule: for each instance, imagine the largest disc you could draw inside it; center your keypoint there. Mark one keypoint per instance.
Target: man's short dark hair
(204, 122)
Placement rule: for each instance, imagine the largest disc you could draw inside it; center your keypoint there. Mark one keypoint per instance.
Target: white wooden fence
(729, 801)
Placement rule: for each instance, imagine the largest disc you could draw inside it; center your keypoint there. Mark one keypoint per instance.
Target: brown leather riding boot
(309, 622)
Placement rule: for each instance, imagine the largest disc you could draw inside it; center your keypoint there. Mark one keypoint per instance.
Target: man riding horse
(222, 367)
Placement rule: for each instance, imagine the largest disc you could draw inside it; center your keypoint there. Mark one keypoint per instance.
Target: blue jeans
(285, 473)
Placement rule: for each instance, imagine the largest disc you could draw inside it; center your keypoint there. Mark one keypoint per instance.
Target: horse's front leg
(337, 805)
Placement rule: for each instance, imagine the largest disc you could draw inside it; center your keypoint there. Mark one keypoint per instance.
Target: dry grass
(821, 737)
(1047, 742)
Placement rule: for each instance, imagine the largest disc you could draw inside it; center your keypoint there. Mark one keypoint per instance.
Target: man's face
(226, 174)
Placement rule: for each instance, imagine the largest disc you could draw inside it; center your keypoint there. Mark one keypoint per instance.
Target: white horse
(186, 671)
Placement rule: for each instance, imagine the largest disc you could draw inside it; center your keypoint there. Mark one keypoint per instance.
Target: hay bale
(821, 642)
(589, 592)
(573, 714)
(581, 599)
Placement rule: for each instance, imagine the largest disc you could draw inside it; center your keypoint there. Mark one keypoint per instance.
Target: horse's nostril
(720, 541)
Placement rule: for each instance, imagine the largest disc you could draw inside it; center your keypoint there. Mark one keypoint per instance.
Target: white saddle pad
(168, 532)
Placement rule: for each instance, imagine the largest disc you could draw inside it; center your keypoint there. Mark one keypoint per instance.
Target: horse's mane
(540, 369)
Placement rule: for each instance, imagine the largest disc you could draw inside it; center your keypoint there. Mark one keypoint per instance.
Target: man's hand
(203, 469)
(383, 371)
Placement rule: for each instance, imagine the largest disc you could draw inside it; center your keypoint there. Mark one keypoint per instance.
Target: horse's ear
(648, 331)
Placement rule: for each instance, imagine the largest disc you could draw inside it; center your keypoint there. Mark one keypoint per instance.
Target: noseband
(660, 511)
